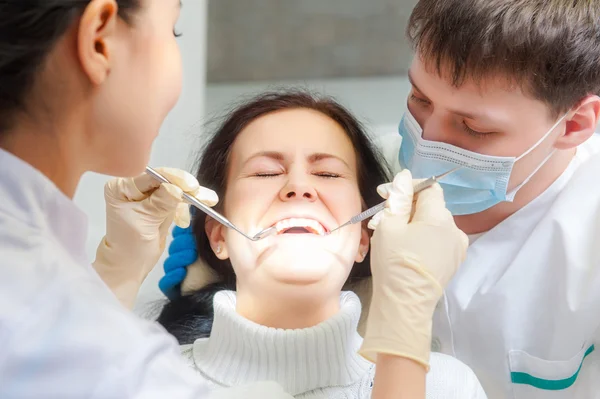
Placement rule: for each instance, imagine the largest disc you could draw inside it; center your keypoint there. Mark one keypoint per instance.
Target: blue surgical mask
(481, 183)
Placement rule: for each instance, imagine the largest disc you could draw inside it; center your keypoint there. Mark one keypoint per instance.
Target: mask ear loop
(544, 137)
(512, 192)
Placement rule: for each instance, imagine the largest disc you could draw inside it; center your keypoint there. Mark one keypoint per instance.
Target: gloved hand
(139, 212)
(184, 270)
(414, 254)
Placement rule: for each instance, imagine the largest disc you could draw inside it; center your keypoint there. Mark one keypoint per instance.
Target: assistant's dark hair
(190, 317)
(29, 29)
(551, 48)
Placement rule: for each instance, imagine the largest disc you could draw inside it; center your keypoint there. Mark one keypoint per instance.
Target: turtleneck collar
(240, 351)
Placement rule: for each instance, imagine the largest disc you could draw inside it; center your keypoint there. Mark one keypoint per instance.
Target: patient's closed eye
(329, 175)
(267, 174)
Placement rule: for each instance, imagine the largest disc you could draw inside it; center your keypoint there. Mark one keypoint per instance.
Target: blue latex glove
(182, 253)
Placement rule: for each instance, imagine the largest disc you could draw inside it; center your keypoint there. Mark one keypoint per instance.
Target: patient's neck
(286, 311)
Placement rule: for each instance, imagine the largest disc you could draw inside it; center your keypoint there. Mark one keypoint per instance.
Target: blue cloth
(182, 253)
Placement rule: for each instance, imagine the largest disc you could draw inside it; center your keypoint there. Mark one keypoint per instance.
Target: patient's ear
(214, 232)
(363, 247)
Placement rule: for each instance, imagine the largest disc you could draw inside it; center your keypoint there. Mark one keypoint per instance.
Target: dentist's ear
(582, 124)
(214, 232)
(363, 247)
(96, 38)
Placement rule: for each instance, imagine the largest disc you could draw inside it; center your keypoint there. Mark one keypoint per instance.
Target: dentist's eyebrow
(464, 114)
(414, 85)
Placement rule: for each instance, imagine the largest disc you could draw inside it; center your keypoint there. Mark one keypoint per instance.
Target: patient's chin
(304, 260)
(305, 267)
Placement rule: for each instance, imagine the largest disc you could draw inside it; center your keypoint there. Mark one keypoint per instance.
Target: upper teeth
(299, 222)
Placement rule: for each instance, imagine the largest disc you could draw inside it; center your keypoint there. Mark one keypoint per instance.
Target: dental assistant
(85, 86)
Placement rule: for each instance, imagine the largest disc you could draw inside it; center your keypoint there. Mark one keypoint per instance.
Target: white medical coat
(523, 311)
(62, 332)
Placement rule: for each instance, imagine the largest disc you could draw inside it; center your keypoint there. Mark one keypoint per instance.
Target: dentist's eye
(418, 100)
(177, 34)
(475, 133)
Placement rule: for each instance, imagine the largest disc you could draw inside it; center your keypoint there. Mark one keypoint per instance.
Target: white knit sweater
(316, 362)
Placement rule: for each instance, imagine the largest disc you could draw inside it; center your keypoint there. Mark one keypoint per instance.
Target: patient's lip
(302, 220)
(311, 225)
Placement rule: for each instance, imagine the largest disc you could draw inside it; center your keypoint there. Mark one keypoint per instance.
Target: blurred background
(354, 50)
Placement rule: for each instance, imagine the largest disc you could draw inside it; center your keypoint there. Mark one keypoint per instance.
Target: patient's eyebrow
(320, 156)
(267, 154)
(312, 158)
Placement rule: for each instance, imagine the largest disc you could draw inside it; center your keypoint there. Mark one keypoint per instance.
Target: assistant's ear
(214, 231)
(96, 38)
(581, 124)
(363, 247)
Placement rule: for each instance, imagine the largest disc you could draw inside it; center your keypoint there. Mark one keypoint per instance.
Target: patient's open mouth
(300, 226)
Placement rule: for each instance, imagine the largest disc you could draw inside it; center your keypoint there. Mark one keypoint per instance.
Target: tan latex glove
(139, 212)
(415, 252)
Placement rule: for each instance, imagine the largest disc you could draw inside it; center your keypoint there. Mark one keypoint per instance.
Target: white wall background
(379, 101)
(174, 146)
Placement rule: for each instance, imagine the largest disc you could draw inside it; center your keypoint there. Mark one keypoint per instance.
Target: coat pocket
(532, 377)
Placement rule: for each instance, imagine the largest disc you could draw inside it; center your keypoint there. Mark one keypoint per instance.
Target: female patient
(278, 312)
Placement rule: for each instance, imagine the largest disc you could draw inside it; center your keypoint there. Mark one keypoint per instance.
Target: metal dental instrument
(209, 211)
(378, 208)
